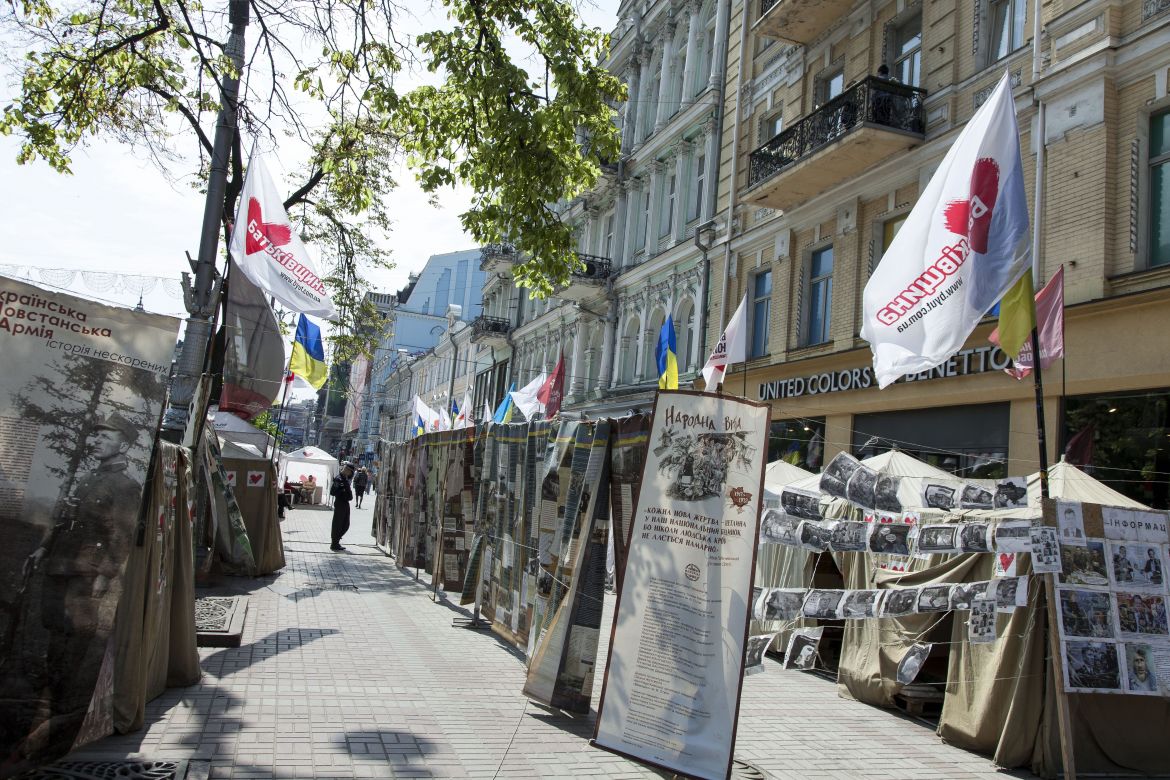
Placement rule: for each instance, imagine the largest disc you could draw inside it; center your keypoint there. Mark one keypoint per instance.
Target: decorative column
(618, 250)
(633, 203)
(690, 63)
(712, 178)
(630, 123)
(591, 217)
(654, 217)
(640, 357)
(682, 185)
(606, 374)
(664, 76)
(719, 50)
(619, 361)
(577, 384)
(645, 57)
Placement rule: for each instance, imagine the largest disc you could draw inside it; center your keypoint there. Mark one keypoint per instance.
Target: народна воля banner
(81, 395)
(675, 667)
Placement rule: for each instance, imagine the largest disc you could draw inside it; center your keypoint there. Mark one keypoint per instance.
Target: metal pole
(200, 298)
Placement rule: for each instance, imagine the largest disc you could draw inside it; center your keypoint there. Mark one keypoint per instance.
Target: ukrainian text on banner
(80, 401)
(675, 667)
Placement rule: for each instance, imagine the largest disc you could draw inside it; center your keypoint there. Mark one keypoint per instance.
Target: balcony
(799, 21)
(490, 331)
(864, 125)
(584, 283)
(497, 257)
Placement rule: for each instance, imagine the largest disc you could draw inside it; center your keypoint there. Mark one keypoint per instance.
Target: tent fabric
(259, 509)
(231, 428)
(1068, 482)
(779, 473)
(308, 461)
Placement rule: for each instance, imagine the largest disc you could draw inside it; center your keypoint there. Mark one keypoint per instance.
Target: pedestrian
(341, 492)
(361, 483)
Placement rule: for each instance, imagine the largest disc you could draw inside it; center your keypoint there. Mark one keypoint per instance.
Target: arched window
(650, 347)
(628, 350)
(686, 330)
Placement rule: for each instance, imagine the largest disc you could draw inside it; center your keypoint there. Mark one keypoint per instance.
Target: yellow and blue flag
(667, 353)
(308, 354)
(504, 413)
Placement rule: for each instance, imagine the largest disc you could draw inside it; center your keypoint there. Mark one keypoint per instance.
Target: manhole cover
(108, 770)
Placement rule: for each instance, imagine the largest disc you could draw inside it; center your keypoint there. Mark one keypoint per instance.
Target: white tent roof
(309, 460)
(233, 429)
(241, 450)
(308, 455)
(903, 465)
(779, 473)
(1070, 483)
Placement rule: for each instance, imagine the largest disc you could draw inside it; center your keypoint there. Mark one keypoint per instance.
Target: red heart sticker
(275, 234)
(1006, 560)
(972, 217)
(255, 478)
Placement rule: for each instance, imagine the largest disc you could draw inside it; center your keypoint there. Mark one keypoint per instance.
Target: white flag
(962, 247)
(526, 400)
(487, 411)
(464, 420)
(426, 418)
(731, 348)
(444, 420)
(267, 249)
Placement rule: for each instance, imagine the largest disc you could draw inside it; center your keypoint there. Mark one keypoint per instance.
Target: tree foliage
(323, 84)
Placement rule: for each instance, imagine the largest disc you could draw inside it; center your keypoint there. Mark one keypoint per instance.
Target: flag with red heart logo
(963, 245)
(267, 249)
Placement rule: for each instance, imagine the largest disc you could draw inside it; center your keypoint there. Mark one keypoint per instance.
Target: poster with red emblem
(675, 667)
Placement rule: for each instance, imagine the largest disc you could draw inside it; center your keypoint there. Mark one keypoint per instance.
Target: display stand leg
(473, 623)
(1063, 716)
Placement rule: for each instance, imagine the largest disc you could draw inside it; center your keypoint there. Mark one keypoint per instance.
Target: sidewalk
(347, 669)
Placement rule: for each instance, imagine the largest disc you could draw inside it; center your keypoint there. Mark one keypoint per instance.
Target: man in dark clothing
(361, 483)
(342, 493)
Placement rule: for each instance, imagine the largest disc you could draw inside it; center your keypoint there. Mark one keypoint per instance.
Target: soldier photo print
(80, 402)
(698, 463)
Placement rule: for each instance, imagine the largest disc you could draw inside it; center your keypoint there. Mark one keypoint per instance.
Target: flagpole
(280, 414)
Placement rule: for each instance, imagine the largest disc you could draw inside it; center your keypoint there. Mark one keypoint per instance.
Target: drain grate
(219, 620)
(328, 585)
(109, 770)
(742, 770)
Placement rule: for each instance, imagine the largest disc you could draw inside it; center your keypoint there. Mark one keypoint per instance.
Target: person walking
(342, 493)
(361, 483)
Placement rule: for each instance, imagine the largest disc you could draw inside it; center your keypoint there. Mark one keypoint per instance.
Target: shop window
(1159, 252)
(1122, 440)
(761, 313)
(800, 442)
(968, 441)
(907, 51)
(819, 300)
(1006, 23)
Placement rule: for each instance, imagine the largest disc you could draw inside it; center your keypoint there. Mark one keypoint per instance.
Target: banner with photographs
(886, 536)
(80, 401)
(1111, 604)
(675, 668)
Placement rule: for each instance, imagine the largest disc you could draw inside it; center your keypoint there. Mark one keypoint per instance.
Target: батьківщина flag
(962, 247)
(308, 354)
(731, 348)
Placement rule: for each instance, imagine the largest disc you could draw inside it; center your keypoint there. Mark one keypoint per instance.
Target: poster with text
(81, 396)
(675, 666)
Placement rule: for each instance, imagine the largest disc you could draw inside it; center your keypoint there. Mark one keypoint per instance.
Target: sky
(118, 214)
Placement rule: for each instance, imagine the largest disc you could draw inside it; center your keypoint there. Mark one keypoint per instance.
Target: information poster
(675, 667)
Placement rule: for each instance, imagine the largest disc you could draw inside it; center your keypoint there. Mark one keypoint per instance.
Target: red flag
(552, 392)
(1050, 321)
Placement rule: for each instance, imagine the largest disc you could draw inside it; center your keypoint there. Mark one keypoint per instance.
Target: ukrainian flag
(504, 413)
(308, 354)
(667, 353)
(420, 427)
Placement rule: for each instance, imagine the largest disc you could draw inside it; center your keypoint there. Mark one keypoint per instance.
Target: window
(890, 229)
(666, 224)
(1007, 26)
(829, 86)
(771, 127)
(607, 240)
(645, 231)
(761, 312)
(1159, 189)
(700, 185)
(820, 296)
(908, 51)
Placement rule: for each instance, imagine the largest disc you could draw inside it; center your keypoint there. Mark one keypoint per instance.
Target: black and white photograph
(1071, 521)
(890, 538)
(1141, 615)
(777, 527)
(823, 604)
(975, 496)
(1010, 592)
(938, 538)
(934, 598)
(1013, 536)
(1045, 549)
(964, 593)
(802, 649)
(816, 534)
(849, 536)
(782, 604)
(1091, 666)
(1011, 493)
(1137, 566)
(859, 604)
(981, 622)
(975, 537)
(1086, 614)
(899, 602)
(885, 493)
(912, 662)
(1143, 663)
(801, 503)
(698, 463)
(1084, 564)
(754, 652)
(837, 474)
(940, 496)
(861, 486)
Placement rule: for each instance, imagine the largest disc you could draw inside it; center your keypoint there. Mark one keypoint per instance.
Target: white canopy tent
(230, 428)
(777, 474)
(305, 462)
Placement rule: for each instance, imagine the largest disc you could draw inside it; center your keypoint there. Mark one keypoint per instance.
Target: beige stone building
(822, 158)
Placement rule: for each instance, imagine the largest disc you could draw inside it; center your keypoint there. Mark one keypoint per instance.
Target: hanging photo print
(1011, 493)
(886, 493)
(1084, 564)
(777, 527)
(1091, 667)
(940, 538)
(1045, 543)
(815, 535)
(912, 662)
(1070, 520)
(754, 654)
(899, 602)
(835, 479)
(890, 538)
(801, 503)
(963, 594)
(975, 496)
(981, 622)
(1137, 566)
(940, 496)
(975, 538)
(849, 536)
(1142, 616)
(1013, 536)
(1147, 669)
(862, 486)
(934, 598)
(859, 604)
(1085, 613)
(780, 604)
(822, 604)
(1010, 592)
(802, 649)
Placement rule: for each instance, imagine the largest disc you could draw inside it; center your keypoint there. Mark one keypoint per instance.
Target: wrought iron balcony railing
(596, 268)
(870, 102)
(766, 6)
(490, 326)
(496, 252)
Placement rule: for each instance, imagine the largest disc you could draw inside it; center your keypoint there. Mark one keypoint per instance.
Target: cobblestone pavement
(347, 669)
